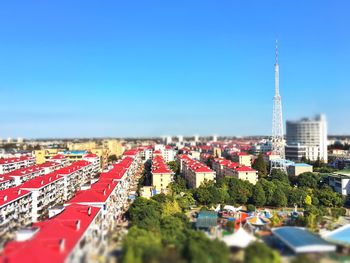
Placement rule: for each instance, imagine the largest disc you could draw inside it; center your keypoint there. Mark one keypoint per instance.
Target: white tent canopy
(240, 238)
(232, 208)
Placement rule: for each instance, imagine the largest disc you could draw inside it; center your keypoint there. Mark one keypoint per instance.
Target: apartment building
(94, 160)
(22, 175)
(76, 175)
(113, 146)
(60, 158)
(6, 181)
(245, 159)
(47, 191)
(195, 172)
(10, 164)
(225, 167)
(74, 235)
(42, 156)
(110, 192)
(15, 211)
(162, 175)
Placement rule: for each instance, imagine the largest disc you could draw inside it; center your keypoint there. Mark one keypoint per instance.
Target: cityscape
(133, 133)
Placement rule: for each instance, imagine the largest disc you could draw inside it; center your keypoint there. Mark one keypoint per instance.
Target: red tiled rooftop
(41, 181)
(11, 194)
(50, 245)
(15, 159)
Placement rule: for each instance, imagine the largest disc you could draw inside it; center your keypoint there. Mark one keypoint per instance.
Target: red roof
(159, 165)
(131, 152)
(195, 165)
(5, 178)
(55, 239)
(90, 155)
(25, 171)
(41, 181)
(11, 194)
(73, 167)
(58, 157)
(98, 193)
(15, 159)
(244, 169)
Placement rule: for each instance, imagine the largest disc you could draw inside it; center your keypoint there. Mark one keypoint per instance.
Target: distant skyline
(153, 68)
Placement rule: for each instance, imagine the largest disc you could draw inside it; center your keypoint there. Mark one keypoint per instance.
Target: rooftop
(11, 194)
(48, 244)
(301, 240)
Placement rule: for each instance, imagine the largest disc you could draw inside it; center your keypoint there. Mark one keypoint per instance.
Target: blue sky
(143, 68)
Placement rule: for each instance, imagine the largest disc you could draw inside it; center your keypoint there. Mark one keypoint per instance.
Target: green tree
(260, 166)
(178, 186)
(239, 191)
(200, 249)
(260, 253)
(172, 230)
(269, 188)
(112, 158)
(258, 197)
(278, 175)
(328, 197)
(186, 200)
(297, 196)
(141, 246)
(304, 259)
(209, 194)
(145, 214)
(308, 200)
(308, 179)
(174, 166)
(279, 198)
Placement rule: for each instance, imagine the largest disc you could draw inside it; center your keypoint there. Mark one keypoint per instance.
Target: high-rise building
(196, 138)
(307, 138)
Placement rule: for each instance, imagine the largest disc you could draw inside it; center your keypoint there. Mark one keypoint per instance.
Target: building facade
(307, 138)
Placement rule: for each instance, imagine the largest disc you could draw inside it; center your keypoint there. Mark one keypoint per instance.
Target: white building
(15, 211)
(340, 182)
(11, 164)
(307, 138)
(47, 191)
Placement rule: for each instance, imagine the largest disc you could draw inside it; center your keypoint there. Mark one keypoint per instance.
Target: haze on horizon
(151, 68)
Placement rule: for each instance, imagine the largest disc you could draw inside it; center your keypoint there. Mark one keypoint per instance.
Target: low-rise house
(299, 168)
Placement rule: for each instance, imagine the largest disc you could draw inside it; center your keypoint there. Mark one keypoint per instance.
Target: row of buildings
(77, 150)
(30, 200)
(11, 164)
(77, 230)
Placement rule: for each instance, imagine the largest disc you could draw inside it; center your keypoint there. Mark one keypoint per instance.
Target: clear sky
(142, 68)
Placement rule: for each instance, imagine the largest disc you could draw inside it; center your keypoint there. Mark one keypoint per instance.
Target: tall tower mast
(277, 119)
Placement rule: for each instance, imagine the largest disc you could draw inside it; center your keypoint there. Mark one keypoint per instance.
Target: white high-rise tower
(277, 119)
